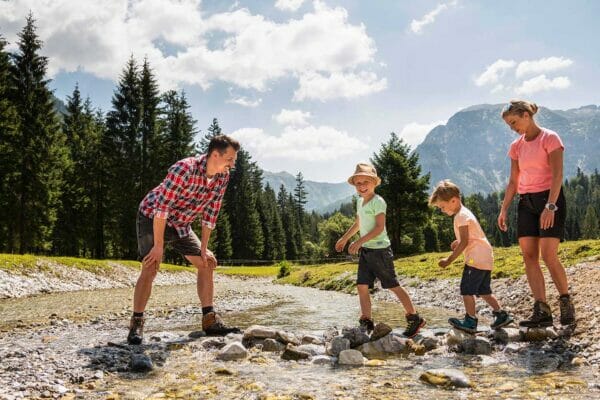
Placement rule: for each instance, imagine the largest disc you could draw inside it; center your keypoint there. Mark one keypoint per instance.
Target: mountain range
(471, 149)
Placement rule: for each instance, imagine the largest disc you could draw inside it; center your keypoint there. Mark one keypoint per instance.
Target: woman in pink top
(536, 174)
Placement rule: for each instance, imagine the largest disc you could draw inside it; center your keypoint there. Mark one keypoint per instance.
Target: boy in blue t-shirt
(376, 258)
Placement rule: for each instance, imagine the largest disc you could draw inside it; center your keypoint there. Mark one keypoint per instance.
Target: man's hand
(340, 244)
(209, 259)
(444, 262)
(354, 247)
(153, 258)
(454, 244)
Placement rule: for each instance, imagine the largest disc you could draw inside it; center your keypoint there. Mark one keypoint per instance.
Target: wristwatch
(551, 207)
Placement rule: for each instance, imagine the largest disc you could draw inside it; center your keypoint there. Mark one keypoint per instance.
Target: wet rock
(330, 333)
(476, 345)
(233, 351)
(213, 343)
(355, 335)
(287, 338)
(311, 339)
(197, 334)
(322, 360)
(513, 348)
(380, 331)
(446, 377)
(578, 361)
(312, 349)
(390, 344)
(540, 362)
(350, 357)
(486, 361)
(260, 332)
(292, 354)
(337, 344)
(140, 363)
(454, 337)
(427, 339)
(507, 335)
(272, 345)
(538, 334)
(375, 363)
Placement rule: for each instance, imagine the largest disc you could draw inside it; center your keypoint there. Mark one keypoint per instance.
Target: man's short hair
(444, 191)
(220, 143)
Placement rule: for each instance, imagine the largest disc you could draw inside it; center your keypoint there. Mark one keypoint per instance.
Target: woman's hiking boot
(567, 310)
(366, 325)
(136, 330)
(468, 324)
(541, 317)
(213, 325)
(501, 318)
(414, 322)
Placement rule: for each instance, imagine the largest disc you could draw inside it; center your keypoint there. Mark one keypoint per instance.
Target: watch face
(551, 207)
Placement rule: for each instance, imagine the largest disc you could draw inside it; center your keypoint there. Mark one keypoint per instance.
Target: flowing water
(189, 371)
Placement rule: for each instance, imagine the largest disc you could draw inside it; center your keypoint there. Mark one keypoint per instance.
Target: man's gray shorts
(377, 263)
(187, 246)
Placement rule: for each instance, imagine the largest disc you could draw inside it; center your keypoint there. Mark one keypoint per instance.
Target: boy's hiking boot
(469, 324)
(136, 330)
(541, 317)
(414, 322)
(501, 319)
(366, 325)
(567, 310)
(213, 325)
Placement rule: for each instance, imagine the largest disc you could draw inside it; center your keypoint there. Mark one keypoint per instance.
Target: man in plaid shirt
(193, 186)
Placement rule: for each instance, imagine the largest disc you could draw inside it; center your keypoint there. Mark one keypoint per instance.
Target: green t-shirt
(366, 221)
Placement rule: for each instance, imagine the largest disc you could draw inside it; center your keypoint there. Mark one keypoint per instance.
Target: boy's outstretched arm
(377, 229)
(339, 246)
(463, 232)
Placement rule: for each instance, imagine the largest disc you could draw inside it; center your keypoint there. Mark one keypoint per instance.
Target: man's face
(226, 161)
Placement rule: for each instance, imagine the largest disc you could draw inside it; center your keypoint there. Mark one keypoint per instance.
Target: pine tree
(300, 195)
(178, 128)
(213, 130)
(405, 192)
(42, 154)
(276, 249)
(122, 148)
(591, 229)
(288, 220)
(220, 239)
(9, 156)
(152, 171)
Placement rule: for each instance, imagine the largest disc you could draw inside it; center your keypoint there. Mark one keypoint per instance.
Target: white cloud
(292, 117)
(542, 65)
(541, 83)
(493, 72)
(414, 133)
(315, 86)
(310, 143)
(245, 101)
(288, 5)
(416, 26)
(175, 36)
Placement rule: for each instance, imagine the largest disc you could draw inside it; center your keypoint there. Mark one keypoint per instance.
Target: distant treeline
(70, 184)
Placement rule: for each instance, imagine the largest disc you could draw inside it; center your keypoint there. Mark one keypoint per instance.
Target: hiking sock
(138, 314)
(206, 310)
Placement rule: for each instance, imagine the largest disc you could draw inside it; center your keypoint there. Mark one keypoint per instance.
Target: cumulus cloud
(414, 133)
(244, 101)
(541, 83)
(292, 117)
(288, 5)
(542, 65)
(309, 143)
(417, 25)
(316, 86)
(493, 72)
(177, 38)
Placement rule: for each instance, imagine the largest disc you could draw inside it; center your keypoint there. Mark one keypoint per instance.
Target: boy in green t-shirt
(376, 258)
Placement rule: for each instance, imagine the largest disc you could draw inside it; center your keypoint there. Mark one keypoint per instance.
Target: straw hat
(364, 169)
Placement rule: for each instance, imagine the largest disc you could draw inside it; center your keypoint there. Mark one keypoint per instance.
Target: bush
(284, 269)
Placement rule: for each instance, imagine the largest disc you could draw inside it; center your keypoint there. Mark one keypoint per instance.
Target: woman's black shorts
(529, 211)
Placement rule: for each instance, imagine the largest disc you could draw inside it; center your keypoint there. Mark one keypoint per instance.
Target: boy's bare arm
(463, 232)
(379, 227)
(341, 243)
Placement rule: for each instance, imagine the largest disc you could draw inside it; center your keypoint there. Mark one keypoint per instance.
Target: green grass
(24, 262)
(508, 264)
(270, 271)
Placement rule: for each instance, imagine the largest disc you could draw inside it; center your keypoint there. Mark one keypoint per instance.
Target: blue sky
(316, 86)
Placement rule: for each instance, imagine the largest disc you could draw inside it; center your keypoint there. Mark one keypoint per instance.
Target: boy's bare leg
(492, 301)
(404, 299)
(143, 288)
(470, 305)
(365, 300)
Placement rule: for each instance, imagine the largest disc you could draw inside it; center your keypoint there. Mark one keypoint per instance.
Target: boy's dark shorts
(187, 246)
(475, 282)
(529, 211)
(376, 263)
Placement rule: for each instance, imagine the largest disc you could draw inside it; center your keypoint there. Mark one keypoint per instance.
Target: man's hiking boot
(213, 325)
(136, 330)
(366, 325)
(469, 324)
(541, 317)
(414, 322)
(501, 319)
(567, 310)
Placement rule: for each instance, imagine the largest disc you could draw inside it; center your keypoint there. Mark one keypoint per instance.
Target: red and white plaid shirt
(185, 193)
